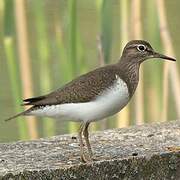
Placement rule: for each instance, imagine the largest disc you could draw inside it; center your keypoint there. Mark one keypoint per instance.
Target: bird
(95, 95)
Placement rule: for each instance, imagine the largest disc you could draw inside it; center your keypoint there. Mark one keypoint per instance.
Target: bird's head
(138, 51)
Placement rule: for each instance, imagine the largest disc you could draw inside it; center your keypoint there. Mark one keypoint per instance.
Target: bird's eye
(141, 48)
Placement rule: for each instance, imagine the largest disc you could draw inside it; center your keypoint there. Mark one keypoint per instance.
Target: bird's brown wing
(82, 89)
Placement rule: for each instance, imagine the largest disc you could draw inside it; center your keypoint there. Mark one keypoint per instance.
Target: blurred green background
(45, 43)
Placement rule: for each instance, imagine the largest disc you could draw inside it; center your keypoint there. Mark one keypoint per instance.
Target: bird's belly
(108, 103)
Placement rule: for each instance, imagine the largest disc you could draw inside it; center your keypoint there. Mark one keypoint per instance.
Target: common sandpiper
(96, 95)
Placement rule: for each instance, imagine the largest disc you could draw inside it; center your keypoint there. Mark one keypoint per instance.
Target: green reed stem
(106, 28)
(154, 90)
(15, 84)
(72, 45)
(72, 35)
(43, 58)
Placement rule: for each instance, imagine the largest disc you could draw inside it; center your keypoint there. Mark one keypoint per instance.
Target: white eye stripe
(141, 47)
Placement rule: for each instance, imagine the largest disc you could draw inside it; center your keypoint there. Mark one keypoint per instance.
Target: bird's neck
(130, 73)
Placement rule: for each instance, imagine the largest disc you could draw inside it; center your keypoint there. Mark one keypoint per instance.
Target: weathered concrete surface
(141, 152)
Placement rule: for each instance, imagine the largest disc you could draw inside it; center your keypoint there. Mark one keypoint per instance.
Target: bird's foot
(174, 148)
(86, 158)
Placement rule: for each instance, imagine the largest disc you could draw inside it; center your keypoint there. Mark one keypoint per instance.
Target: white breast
(108, 103)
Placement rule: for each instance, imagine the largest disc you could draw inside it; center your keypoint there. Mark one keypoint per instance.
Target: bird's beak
(158, 55)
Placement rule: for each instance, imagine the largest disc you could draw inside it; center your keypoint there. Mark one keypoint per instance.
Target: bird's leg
(86, 137)
(83, 157)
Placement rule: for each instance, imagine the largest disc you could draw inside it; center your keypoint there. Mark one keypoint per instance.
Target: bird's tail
(15, 116)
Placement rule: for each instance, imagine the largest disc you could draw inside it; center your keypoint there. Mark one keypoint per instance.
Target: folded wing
(83, 89)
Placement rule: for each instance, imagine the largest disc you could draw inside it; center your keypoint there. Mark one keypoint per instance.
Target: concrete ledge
(140, 152)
